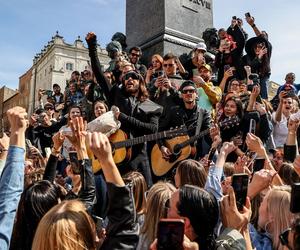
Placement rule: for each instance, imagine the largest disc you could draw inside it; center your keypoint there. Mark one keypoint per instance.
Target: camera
(247, 14)
(234, 17)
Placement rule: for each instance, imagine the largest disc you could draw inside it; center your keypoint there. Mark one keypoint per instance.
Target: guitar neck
(142, 139)
(194, 138)
(228, 122)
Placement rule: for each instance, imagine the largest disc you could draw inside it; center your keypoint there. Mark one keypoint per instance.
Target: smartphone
(98, 222)
(159, 73)
(251, 157)
(75, 166)
(240, 187)
(234, 17)
(226, 67)
(170, 234)
(247, 14)
(252, 126)
(211, 154)
(295, 198)
(28, 143)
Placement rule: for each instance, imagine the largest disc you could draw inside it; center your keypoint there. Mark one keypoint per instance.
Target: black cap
(187, 83)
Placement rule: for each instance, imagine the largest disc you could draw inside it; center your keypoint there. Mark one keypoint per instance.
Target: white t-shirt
(280, 130)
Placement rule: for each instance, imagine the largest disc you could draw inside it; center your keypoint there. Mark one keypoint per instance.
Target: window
(69, 66)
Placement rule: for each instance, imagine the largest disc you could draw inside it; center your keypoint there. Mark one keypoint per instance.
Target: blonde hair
(65, 226)
(278, 206)
(139, 189)
(156, 208)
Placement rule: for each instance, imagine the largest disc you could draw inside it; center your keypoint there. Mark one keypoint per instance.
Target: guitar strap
(199, 122)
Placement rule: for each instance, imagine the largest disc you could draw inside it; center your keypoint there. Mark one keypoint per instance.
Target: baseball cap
(207, 66)
(201, 46)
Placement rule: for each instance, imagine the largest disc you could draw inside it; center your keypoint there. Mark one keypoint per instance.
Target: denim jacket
(213, 182)
(11, 187)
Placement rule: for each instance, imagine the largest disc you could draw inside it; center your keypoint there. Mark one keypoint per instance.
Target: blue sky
(26, 26)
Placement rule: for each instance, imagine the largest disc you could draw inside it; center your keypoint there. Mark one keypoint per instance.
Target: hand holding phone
(170, 234)
(240, 187)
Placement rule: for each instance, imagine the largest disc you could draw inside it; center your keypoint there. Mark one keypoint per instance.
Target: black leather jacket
(122, 230)
(136, 119)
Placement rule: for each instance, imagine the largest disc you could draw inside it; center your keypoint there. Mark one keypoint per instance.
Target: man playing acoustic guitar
(186, 113)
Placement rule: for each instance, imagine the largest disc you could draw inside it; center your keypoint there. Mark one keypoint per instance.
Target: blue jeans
(264, 83)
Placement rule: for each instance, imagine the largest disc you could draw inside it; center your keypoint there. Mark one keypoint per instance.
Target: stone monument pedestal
(162, 26)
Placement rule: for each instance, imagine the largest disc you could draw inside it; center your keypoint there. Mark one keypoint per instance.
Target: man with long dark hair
(137, 114)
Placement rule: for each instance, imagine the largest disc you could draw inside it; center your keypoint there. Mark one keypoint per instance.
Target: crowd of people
(101, 164)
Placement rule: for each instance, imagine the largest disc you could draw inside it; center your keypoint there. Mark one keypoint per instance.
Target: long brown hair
(139, 189)
(142, 91)
(191, 172)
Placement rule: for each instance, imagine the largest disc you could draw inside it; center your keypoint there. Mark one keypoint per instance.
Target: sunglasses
(132, 75)
(49, 108)
(284, 237)
(136, 55)
(169, 65)
(188, 91)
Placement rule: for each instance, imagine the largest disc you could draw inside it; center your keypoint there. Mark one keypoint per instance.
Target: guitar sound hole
(177, 150)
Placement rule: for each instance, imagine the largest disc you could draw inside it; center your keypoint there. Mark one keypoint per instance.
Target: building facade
(55, 64)
(5, 94)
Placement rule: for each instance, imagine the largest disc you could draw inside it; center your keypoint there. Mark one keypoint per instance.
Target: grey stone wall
(162, 26)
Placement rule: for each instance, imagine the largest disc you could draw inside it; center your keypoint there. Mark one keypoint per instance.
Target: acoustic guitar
(121, 146)
(181, 148)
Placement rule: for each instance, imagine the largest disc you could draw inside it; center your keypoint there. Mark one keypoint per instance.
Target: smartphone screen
(252, 126)
(74, 163)
(295, 198)
(170, 234)
(240, 186)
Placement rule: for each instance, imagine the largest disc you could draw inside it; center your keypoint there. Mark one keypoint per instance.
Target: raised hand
(228, 147)
(260, 181)
(230, 215)
(90, 36)
(100, 146)
(255, 144)
(17, 118)
(58, 140)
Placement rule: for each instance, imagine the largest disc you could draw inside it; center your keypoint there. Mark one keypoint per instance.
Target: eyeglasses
(169, 65)
(188, 91)
(132, 75)
(284, 237)
(134, 54)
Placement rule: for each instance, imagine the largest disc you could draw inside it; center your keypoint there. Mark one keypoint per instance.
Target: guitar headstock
(230, 122)
(178, 131)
